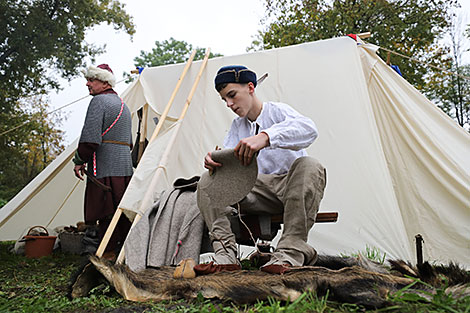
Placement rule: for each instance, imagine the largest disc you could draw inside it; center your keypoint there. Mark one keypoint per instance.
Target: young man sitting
(289, 182)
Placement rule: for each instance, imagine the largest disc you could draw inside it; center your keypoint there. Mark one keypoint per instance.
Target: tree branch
(7, 53)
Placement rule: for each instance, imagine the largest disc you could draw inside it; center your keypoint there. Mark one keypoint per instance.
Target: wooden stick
(196, 82)
(364, 35)
(173, 95)
(112, 225)
(122, 253)
(117, 214)
(148, 197)
(322, 217)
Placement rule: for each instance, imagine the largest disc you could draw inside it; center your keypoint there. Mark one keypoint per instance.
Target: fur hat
(229, 183)
(101, 72)
(234, 74)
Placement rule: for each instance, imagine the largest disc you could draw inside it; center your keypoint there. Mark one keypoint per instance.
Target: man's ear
(251, 87)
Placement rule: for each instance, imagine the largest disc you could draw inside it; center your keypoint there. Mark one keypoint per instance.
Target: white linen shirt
(289, 134)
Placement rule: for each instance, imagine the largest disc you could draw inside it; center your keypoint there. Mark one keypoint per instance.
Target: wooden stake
(148, 197)
(117, 214)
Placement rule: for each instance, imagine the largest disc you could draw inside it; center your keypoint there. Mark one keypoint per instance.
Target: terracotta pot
(38, 246)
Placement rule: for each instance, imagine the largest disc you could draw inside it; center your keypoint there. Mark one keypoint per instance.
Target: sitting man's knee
(307, 163)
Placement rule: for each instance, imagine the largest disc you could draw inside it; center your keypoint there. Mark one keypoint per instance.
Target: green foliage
(416, 300)
(41, 39)
(411, 27)
(27, 150)
(170, 51)
(452, 92)
(372, 253)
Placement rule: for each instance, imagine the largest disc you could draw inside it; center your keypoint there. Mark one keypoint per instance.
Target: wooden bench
(253, 222)
(266, 227)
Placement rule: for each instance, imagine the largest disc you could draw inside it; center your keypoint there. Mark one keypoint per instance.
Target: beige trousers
(296, 195)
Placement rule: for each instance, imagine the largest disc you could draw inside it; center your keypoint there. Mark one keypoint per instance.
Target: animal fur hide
(351, 280)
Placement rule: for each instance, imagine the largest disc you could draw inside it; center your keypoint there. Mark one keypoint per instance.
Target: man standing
(289, 182)
(104, 154)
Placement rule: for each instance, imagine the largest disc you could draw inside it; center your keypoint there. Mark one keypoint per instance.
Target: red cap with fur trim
(101, 72)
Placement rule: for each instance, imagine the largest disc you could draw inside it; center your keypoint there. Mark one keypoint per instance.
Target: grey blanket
(169, 232)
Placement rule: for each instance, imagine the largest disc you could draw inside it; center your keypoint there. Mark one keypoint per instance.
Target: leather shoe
(210, 268)
(185, 269)
(276, 268)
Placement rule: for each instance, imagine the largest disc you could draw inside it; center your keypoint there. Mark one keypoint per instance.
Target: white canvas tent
(397, 166)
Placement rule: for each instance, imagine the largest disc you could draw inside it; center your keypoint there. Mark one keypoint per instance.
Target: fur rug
(351, 280)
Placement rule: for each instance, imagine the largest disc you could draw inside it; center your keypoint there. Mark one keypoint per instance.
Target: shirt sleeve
(85, 151)
(232, 138)
(290, 129)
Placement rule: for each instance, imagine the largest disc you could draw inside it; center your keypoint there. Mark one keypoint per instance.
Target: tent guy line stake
(148, 195)
(117, 214)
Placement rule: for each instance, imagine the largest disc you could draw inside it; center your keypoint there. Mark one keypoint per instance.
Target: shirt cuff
(273, 138)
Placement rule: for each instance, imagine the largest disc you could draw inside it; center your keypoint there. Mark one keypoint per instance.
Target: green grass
(40, 285)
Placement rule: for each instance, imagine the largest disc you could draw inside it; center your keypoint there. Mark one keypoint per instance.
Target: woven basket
(71, 242)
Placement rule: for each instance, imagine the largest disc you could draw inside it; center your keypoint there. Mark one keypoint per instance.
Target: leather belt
(117, 142)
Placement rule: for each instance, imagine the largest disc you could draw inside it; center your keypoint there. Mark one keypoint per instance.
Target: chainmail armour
(111, 159)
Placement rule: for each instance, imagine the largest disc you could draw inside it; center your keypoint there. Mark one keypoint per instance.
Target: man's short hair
(233, 74)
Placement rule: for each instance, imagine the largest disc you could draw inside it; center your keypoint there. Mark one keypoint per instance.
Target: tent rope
(427, 64)
(47, 113)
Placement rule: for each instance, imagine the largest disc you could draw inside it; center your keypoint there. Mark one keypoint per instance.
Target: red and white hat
(101, 72)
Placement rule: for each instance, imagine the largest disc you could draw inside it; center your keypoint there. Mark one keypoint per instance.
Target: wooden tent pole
(117, 214)
(148, 195)
(196, 82)
(109, 232)
(173, 95)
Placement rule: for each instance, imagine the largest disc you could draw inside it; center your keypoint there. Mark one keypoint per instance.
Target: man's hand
(210, 164)
(79, 171)
(247, 147)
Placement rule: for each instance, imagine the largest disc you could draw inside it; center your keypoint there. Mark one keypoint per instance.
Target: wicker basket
(71, 242)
